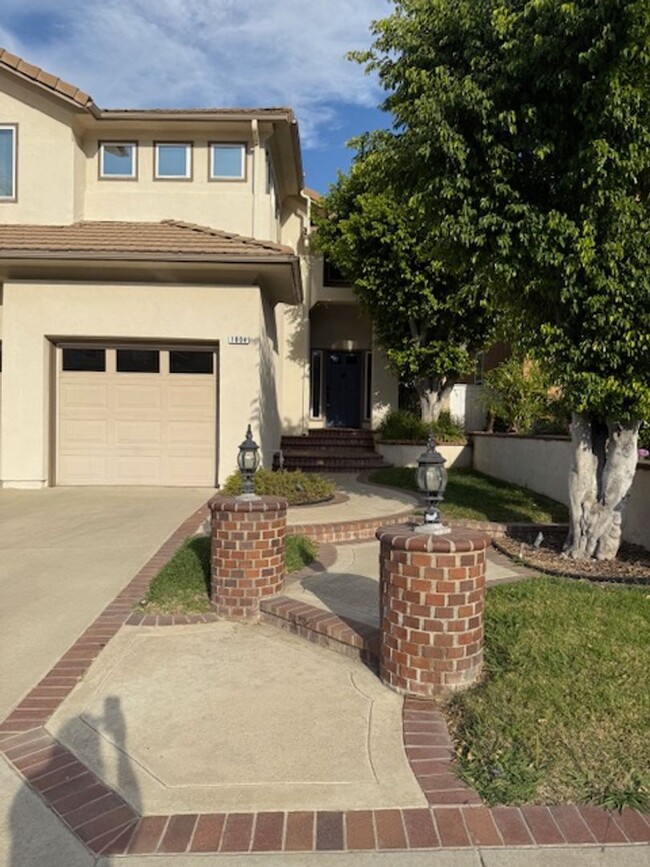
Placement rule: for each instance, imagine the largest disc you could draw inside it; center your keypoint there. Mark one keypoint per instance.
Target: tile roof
(16, 64)
(169, 238)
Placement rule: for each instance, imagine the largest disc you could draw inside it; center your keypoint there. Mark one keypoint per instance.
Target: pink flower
(643, 454)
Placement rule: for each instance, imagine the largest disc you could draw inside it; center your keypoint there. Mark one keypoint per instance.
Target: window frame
(13, 127)
(100, 168)
(243, 146)
(316, 385)
(188, 145)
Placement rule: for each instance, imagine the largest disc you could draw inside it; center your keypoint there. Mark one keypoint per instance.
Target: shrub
(518, 399)
(404, 425)
(295, 486)
(448, 429)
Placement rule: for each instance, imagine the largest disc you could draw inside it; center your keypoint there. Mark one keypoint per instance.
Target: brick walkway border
(104, 822)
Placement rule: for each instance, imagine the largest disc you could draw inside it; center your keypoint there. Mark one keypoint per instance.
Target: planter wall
(406, 454)
(542, 464)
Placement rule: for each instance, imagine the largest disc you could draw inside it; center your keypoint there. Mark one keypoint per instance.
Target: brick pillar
(432, 591)
(247, 561)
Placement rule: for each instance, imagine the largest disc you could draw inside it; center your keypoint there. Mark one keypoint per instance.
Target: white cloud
(190, 53)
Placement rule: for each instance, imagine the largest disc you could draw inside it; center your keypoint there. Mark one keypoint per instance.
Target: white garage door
(137, 415)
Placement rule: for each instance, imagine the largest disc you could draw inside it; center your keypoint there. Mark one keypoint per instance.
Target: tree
(427, 311)
(542, 109)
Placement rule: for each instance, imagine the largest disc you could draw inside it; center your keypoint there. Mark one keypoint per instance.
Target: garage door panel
(138, 397)
(139, 432)
(124, 428)
(79, 396)
(83, 469)
(83, 432)
(138, 469)
(188, 470)
(180, 433)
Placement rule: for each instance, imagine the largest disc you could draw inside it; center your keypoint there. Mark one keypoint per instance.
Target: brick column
(432, 591)
(247, 561)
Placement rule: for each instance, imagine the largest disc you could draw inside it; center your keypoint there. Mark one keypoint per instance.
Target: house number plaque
(238, 340)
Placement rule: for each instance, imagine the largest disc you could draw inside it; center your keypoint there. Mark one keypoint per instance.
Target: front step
(330, 450)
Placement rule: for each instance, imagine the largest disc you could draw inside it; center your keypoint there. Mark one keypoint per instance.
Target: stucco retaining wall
(404, 454)
(542, 464)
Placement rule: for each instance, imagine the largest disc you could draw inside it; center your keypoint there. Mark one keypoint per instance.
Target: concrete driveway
(64, 555)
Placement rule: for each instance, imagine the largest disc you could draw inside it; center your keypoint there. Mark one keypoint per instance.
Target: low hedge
(406, 426)
(295, 486)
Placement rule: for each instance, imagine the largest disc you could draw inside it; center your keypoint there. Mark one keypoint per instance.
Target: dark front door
(343, 378)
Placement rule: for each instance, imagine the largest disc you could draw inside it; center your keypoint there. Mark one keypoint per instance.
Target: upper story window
(7, 162)
(332, 276)
(227, 162)
(117, 160)
(173, 161)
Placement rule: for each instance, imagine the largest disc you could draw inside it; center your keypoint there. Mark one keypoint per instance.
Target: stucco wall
(542, 464)
(35, 314)
(385, 387)
(45, 155)
(240, 206)
(407, 454)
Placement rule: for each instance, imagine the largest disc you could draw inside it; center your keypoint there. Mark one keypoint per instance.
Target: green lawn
(563, 713)
(182, 586)
(481, 498)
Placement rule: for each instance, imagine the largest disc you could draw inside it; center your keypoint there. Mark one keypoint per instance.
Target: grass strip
(183, 585)
(474, 496)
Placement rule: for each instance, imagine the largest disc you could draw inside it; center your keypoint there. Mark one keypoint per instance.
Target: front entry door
(343, 378)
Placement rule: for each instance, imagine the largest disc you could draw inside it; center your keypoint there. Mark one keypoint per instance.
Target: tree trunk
(600, 480)
(433, 394)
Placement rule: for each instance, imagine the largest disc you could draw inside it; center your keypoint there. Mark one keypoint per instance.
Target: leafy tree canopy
(428, 311)
(527, 125)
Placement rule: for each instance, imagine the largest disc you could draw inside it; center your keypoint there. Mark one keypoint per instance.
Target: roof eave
(42, 256)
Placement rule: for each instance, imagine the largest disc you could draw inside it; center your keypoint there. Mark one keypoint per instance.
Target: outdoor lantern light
(432, 481)
(248, 460)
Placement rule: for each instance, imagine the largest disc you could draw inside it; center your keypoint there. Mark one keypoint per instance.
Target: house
(158, 292)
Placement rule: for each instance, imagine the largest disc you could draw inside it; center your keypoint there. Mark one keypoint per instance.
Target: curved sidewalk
(364, 508)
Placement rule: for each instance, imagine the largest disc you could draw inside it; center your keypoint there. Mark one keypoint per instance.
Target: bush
(404, 425)
(518, 399)
(295, 486)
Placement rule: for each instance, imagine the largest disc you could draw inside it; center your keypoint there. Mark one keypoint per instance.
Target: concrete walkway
(363, 502)
(219, 716)
(64, 554)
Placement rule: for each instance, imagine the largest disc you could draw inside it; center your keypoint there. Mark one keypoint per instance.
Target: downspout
(306, 226)
(255, 136)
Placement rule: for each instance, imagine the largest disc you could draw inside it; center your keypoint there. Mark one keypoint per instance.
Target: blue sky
(216, 53)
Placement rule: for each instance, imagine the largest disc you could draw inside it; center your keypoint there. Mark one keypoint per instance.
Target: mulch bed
(632, 565)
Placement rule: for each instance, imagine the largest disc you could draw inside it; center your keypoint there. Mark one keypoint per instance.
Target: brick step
(335, 432)
(311, 463)
(348, 637)
(290, 442)
(308, 450)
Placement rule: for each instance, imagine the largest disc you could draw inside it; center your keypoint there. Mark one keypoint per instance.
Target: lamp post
(248, 460)
(431, 479)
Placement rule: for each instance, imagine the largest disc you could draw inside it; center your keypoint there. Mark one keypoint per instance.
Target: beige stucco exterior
(37, 316)
(46, 155)
(56, 296)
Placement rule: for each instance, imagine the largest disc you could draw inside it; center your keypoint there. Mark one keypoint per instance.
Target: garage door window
(138, 361)
(84, 360)
(190, 362)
